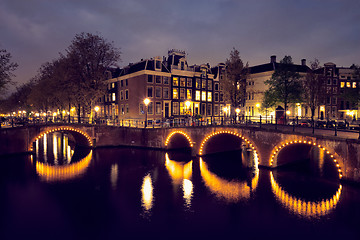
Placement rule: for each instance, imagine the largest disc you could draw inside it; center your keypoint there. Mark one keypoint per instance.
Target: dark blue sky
(35, 31)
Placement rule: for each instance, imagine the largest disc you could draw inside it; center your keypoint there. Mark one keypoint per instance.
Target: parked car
(354, 125)
(320, 123)
(342, 124)
(305, 123)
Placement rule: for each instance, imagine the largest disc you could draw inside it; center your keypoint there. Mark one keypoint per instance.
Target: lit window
(209, 96)
(353, 84)
(348, 84)
(182, 82)
(203, 84)
(175, 93)
(197, 95)
(188, 94)
(175, 81)
(113, 97)
(198, 82)
(342, 84)
(203, 96)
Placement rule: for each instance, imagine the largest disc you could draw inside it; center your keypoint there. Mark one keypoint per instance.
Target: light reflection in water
(181, 173)
(231, 191)
(147, 194)
(114, 175)
(303, 208)
(52, 173)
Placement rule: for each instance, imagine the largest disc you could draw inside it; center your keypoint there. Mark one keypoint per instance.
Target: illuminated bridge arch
(171, 135)
(80, 136)
(283, 145)
(247, 141)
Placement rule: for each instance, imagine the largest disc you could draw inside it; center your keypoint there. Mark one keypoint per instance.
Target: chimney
(273, 59)
(303, 62)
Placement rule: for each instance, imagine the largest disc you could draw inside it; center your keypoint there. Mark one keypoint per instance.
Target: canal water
(65, 192)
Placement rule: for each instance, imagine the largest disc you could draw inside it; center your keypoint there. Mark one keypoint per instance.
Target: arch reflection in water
(181, 173)
(54, 148)
(231, 191)
(147, 194)
(63, 172)
(303, 208)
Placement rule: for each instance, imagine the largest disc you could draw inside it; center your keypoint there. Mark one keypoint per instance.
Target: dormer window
(157, 64)
(182, 65)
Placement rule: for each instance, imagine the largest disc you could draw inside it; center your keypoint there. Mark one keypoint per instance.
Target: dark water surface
(119, 193)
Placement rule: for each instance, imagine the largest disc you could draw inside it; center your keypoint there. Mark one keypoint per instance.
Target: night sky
(35, 31)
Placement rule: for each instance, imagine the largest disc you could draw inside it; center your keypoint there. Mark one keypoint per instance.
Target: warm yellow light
(146, 101)
(187, 104)
(257, 105)
(237, 110)
(97, 108)
(288, 112)
(54, 114)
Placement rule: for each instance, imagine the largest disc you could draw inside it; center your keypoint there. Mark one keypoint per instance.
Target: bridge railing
(292, 122)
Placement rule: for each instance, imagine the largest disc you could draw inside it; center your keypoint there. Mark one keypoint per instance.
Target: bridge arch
(185, 135)
(249, 143)
(78, 134)
(285, 144)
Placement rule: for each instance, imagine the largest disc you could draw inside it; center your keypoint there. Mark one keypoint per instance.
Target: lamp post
(97, 108)
(237, 110)
(146, 102)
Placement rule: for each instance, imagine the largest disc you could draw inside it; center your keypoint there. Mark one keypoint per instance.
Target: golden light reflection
(181, 173)
(114, 175)
(231, 191)
(57, 129)
(147, 193)
(65, 172)
(303, 208)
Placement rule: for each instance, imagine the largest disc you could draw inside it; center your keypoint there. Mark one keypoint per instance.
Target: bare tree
(89, 57)
(6, 69)
(234, 82)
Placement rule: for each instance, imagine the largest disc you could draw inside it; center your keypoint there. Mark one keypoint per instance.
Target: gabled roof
(147, 64)
(273, 66)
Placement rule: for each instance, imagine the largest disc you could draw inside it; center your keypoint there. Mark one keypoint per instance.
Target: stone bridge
(264, 146)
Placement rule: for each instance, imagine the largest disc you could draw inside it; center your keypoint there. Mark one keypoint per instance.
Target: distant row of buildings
(176, 90)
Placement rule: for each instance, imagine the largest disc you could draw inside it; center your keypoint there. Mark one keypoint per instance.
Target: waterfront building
(256, 87)
(175, 90)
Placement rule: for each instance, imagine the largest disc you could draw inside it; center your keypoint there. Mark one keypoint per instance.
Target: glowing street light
(97, 108)
(146, 102)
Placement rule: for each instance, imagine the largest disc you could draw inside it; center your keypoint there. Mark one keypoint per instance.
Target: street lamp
(237, 110)
(97, 108)
(146, 102)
